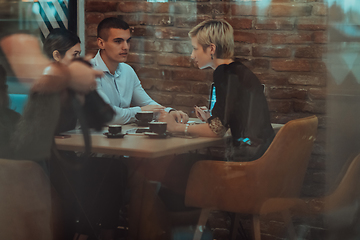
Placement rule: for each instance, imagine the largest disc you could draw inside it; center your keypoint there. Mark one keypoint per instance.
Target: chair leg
(237, 229)
(204, 216)
(256, 227)
(289, 224)
(235, 226)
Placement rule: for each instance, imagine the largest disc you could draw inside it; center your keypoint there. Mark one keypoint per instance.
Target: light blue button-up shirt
(121, 90)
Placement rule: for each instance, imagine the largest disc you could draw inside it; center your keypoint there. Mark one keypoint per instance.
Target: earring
(212, 56)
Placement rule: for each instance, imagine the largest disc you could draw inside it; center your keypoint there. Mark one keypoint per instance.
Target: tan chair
(244, 187)
(28, 206)
(340, 207)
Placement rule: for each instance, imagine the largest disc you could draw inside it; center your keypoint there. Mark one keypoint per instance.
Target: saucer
(118, 135)
(142, 124)
(156, 135)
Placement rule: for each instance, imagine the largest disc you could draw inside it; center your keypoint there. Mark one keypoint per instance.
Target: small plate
(155, 135)
(119, 135)
(141, 123)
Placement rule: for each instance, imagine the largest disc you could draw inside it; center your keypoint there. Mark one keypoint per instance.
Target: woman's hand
(202, 113)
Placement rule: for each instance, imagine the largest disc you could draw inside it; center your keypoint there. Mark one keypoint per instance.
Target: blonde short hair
(218, 32)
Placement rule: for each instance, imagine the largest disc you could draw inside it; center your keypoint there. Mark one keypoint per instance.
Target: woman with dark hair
(61, 45)
(98, 182)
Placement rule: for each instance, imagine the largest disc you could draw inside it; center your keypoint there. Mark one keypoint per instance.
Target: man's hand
(179, 116)
(171, 123)
(154, 108)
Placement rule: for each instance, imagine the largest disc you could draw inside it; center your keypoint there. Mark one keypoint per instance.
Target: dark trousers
(92, 191)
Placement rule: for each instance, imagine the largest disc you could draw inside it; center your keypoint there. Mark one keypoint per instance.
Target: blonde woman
(240, 102)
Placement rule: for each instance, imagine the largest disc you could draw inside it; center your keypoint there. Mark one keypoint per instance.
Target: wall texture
(282, 41)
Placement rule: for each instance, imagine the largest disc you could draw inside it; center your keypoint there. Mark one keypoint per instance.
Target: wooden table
(135, 145)
(147, 152)
(142, 208)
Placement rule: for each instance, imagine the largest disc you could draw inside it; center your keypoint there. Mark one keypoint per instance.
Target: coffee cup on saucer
(158, 127)
(144, 117)
(115, 129)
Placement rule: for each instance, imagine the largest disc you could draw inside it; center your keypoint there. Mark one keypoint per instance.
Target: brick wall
(282, 41)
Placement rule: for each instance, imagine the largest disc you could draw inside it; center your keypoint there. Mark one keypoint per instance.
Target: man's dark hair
(60, 39)
(110, 22)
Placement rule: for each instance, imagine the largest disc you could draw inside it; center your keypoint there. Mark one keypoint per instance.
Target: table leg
(147, 215)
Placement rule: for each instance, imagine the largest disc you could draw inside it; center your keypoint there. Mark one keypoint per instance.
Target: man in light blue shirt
(120, 86)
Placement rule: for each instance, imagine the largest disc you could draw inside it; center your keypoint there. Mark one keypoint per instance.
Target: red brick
(131, 19)
(149, 84)
(163, 7)
(183, 47)
(213, 8)
(239, 23)
(91, 52)
(272, 79)
(189, 22)
(309, 52)
(242, 50)
(201, 88)
(320, 9)
(140, 58)
(91, 43)
(173, 60)
(168, 86)
(184, 8)
(148, 72)
(171, 33)
(291, 38)
(142, 32)
(91, 30)
(192, 75)
(284, 118)
(318, 66)
(92, 17)
(274, 24)
(155, 20)
(276, 52)
(320, 37)
(250, 37)
(317, 93)
(307, 79)
(190, 100)
(100, 6)
(132, 7)
(318, 106)
(165, 99)
(280, 106)
(247, 10)
(176, 86)
(291, 65)
(283, 92)
(293, 10)
(142, 45)
(312, 24)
